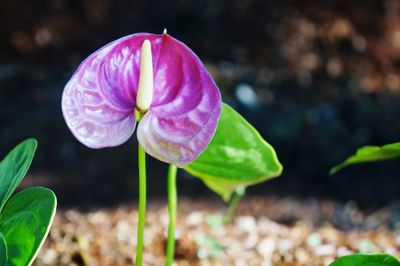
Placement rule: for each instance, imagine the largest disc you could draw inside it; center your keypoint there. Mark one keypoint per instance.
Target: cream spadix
(145, 88)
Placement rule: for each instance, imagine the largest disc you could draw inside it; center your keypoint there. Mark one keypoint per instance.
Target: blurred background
(317, 79)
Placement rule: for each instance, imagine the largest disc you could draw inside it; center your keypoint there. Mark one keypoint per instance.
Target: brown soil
(266, 231)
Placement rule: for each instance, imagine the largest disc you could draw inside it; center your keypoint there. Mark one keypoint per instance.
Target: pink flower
(99, 101)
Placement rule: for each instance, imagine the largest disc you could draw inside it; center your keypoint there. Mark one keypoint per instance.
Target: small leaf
(3, 250)
(209, 247)
(236, 156)
(370, 154)
(366, 260)
(25, 223)
(13, 168)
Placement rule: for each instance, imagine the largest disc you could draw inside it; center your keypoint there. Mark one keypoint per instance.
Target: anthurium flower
(182, 101)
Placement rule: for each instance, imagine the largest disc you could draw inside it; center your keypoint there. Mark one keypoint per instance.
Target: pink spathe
(99, 100)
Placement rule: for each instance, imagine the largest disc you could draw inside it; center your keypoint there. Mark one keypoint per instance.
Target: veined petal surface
(99, 101)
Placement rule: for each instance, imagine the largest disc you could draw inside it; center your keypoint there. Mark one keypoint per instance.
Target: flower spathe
(99, 101)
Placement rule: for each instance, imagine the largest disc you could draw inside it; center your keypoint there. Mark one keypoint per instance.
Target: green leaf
(3, 250)
(370, 154)
(366, 260)
(25, 223)
(236, 156)
(209, 247)
(13, 168)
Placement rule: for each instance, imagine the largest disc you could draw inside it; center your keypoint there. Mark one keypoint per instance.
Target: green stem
(172, 203)
(233, 204)
(142, 205)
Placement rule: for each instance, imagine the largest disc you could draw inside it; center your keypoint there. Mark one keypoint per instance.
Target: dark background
(317, 79)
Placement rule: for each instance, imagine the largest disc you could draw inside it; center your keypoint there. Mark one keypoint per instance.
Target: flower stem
(172, 203)
(233, 204)
(142, 205)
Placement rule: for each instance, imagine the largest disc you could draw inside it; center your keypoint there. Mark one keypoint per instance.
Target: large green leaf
(370, 154)
(3, 250)
(236, 156)
(13, 168)
(25, 223)
(366, 260)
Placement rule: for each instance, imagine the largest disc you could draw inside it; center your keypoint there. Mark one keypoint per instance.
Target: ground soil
(266, 231)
